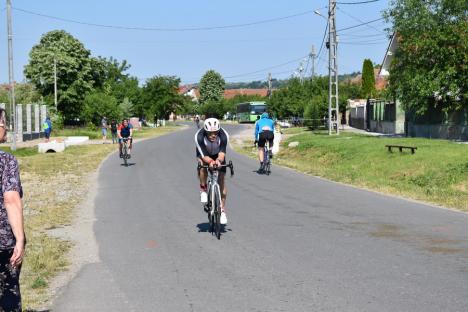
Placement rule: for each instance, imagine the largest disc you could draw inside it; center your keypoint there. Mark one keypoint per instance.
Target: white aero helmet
(211, 124)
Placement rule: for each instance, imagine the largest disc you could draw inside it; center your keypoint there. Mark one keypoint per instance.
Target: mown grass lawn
(54, 184)
(436, 173)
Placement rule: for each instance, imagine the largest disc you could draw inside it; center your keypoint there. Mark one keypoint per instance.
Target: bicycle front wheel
(125, 153)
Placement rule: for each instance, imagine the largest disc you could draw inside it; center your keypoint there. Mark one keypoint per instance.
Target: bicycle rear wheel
(210, 211)
(217, 213)
(268, 168)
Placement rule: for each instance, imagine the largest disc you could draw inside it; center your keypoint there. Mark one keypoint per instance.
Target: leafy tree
(430, 65)
(291, 100)
(77, 72)
(213, 109)
(25, 93)
(98, 104)
(126, 107)
(121, 85)
(368, 79)
(160, 96)
(211, 87)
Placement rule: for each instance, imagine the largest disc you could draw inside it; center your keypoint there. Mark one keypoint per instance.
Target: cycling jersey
(125, 131)
(205, 147)
(263, 124)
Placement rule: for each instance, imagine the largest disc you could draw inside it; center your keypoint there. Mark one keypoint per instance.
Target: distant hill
(276, 83)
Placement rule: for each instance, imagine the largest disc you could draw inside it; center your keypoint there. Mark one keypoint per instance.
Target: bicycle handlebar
(229, 165)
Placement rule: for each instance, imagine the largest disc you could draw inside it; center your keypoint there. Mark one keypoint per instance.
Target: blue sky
(188, 54)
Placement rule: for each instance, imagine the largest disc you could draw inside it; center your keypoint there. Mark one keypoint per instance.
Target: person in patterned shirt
(12, 238)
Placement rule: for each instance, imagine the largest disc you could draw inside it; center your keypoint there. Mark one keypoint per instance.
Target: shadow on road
(205, 227)
(128, 165)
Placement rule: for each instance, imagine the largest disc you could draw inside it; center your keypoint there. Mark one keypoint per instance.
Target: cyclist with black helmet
(211, 143)
(125, 131)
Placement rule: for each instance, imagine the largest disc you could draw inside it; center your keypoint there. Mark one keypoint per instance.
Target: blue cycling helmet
(265, 115)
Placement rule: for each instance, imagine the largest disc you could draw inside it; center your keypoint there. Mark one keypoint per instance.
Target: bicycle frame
(214, 197)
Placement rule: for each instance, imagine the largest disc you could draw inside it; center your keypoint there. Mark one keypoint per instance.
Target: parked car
(284, 124)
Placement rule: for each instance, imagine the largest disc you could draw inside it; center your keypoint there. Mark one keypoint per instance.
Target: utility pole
(301, 72)
(269, 85)
(55, 82)
(313, 55)
(332, 68)
(11, 77)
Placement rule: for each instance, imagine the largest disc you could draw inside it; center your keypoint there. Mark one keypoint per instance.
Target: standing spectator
(113, 127)
(104, 128)
(12, 238)
(47, 127)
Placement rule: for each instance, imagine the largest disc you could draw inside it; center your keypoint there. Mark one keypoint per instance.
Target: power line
(267, 68)
(363, 43)
(362, 24)
(165, 29)
(365, 36)
(360, 2)
(360, 21)
(323, 41)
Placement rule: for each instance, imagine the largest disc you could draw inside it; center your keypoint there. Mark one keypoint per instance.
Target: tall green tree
(160, 97)
(368, 79)
(430, 66)
(211, 87)
(77, 72)
(118, 83)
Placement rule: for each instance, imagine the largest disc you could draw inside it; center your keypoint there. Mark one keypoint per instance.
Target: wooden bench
(401, 147)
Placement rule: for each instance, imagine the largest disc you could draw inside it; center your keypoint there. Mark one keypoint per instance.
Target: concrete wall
(447, 132)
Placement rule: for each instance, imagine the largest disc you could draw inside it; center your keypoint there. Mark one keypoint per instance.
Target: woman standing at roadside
(12, 238)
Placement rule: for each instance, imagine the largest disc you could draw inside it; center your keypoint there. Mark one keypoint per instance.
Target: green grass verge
(54, 185)
(96, 134)
(436, 173)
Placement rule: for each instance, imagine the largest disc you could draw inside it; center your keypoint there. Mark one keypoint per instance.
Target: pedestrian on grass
(113, 127)
(104, 127)
(12, 237)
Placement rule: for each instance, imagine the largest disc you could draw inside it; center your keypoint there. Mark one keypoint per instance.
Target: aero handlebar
(229, 165)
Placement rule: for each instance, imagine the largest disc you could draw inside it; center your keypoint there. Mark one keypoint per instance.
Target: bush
(99, 104)
(213, 109)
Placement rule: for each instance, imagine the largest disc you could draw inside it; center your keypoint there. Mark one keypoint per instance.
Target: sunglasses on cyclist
(212, 133)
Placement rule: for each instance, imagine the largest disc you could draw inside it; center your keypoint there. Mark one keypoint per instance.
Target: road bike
(266, 159)
(125, 154)
(213, 206)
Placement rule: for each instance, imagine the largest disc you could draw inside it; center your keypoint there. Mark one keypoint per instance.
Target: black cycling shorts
(266, 136)
(214, 157)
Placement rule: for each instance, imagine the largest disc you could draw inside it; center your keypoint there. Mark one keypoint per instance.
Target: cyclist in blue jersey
(264, 131)
(125, 130)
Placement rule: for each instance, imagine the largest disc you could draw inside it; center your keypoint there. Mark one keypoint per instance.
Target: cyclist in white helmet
(211, 143)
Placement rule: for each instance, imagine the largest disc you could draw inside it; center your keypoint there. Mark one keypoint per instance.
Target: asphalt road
(293, 243)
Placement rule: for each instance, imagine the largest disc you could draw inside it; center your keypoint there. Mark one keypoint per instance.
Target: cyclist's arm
(257, 128)
(118, 133)
(131, 132)
(208, 160)
(221, 157)
(223, 146)
(201, 146)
